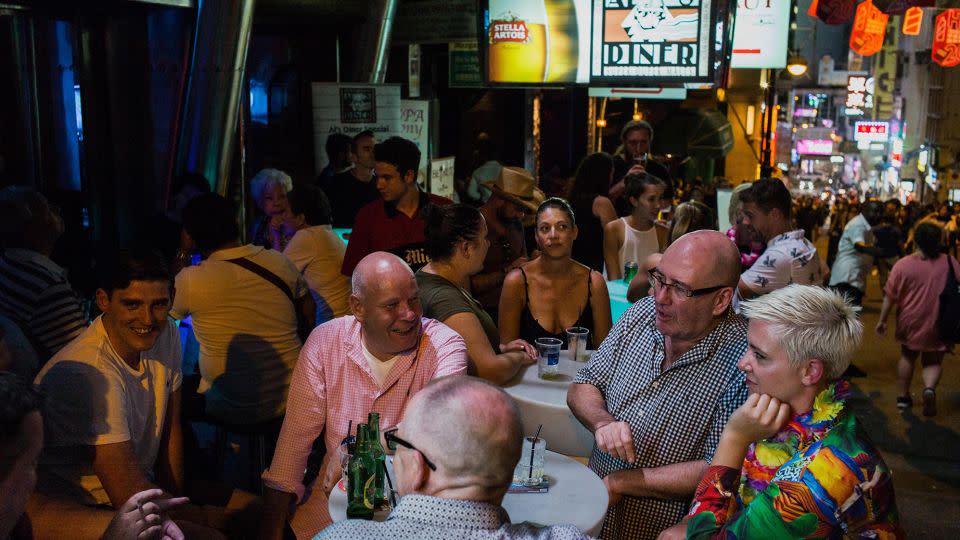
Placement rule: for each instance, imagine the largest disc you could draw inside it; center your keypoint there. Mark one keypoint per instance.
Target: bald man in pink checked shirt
(374, 360)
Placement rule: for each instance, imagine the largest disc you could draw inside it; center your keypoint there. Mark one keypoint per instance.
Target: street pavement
(924, 453)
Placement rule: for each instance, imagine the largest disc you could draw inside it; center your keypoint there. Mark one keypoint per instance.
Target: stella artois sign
(912, 21)
(946, 38)
(835, 11)
(868, 29)
(508, 31)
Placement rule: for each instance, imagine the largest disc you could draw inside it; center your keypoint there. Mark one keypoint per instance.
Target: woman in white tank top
(636, 236)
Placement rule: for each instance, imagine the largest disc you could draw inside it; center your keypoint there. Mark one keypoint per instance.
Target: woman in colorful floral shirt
(793, 461)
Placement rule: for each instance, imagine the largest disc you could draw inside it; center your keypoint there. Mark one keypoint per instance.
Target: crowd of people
(717, 400)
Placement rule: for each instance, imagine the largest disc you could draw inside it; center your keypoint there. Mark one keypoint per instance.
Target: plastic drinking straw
(533, 448)
(393, 495)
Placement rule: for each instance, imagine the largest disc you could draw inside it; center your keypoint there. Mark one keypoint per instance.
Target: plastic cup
(524, 473)
(577, 338)
(548, 357)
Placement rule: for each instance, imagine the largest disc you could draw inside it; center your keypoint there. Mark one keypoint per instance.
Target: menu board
(536, 42)
(640, 41)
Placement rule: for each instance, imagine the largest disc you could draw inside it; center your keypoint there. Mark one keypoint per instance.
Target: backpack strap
(265, 274)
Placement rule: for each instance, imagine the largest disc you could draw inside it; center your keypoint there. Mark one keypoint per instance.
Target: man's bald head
(470, 428)
(371, 270)
(712, 253)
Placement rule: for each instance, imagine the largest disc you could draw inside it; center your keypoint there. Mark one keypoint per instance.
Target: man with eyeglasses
(455, 453)
(659, 389)
(373, 360)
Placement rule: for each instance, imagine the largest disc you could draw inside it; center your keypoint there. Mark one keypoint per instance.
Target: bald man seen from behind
(374, 360)
(659, 389)
(455, 453)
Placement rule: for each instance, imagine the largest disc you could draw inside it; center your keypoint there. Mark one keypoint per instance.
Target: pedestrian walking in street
(914, 286)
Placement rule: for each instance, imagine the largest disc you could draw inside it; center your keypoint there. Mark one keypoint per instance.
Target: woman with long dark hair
(456, 242)
(591, 204)
(554, 292)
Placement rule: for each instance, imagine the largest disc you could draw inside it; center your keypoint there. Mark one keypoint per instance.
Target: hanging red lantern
(946, 38)
(835, 11)
(868, 28)
(912, 21)
(897, 7)
(812, 11)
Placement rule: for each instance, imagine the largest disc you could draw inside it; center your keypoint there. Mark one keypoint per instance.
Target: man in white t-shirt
(242, 302)
(789, 257)
(112, 403)
(855, 253)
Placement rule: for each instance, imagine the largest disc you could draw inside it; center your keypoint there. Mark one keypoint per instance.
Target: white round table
(577, 496)
(545, 402)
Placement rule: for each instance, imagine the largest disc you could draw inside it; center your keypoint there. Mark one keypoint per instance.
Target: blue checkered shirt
(675, 416)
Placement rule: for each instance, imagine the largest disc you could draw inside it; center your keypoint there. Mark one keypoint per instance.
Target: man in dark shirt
(350, 190)
(395, 222)
(636, 137)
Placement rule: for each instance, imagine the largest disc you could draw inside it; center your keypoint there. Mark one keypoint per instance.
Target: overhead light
(601, 122)
(796, 64)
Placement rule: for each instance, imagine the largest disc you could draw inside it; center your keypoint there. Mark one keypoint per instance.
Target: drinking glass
(548, 357)
(577, 338)
(530, 472)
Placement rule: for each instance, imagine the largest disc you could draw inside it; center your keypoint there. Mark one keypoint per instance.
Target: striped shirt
(675, 416)
(35, 294)
(333, 387)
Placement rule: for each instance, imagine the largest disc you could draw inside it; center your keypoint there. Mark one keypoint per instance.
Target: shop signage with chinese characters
(815, 147)
(869, 25)
(946, 38)
(867, 131)
(653, 40)
(859, 95)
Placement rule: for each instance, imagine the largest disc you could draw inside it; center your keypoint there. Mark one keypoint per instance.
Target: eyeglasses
(392, 441)
(658, 280)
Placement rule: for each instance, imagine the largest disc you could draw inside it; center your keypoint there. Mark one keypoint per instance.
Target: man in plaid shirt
(660, 388)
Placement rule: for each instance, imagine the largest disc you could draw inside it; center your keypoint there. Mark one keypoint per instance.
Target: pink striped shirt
(332, 385)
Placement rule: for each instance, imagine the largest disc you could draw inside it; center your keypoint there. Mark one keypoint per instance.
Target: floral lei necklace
(766, 456)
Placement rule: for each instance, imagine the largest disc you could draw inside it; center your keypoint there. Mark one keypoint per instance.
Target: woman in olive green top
(456, 242)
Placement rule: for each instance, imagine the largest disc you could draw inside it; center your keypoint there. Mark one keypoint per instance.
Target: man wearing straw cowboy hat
(514, 194)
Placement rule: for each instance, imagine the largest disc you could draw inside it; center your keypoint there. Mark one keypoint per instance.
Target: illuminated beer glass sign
(537, 42)
(653, 41)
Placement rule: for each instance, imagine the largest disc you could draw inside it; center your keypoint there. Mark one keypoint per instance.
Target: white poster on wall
(760, 34)
(350, 108)
(415, 125)
(441, 177)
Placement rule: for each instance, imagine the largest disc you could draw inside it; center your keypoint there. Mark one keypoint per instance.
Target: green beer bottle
(378, 455)
(361, 475)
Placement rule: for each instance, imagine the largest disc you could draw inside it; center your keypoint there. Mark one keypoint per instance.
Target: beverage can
(630, 269)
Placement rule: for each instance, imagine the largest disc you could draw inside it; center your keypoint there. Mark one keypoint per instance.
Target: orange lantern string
(946, 38)
(912, 21)
(869, 26)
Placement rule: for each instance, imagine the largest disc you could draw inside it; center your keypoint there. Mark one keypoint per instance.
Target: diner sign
(760, 34)
(652, 40)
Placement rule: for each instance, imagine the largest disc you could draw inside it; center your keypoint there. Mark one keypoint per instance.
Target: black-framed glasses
(392, 441)
(657, 279)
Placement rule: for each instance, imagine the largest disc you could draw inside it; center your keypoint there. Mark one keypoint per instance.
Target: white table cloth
(577, 496)
(545, 402)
